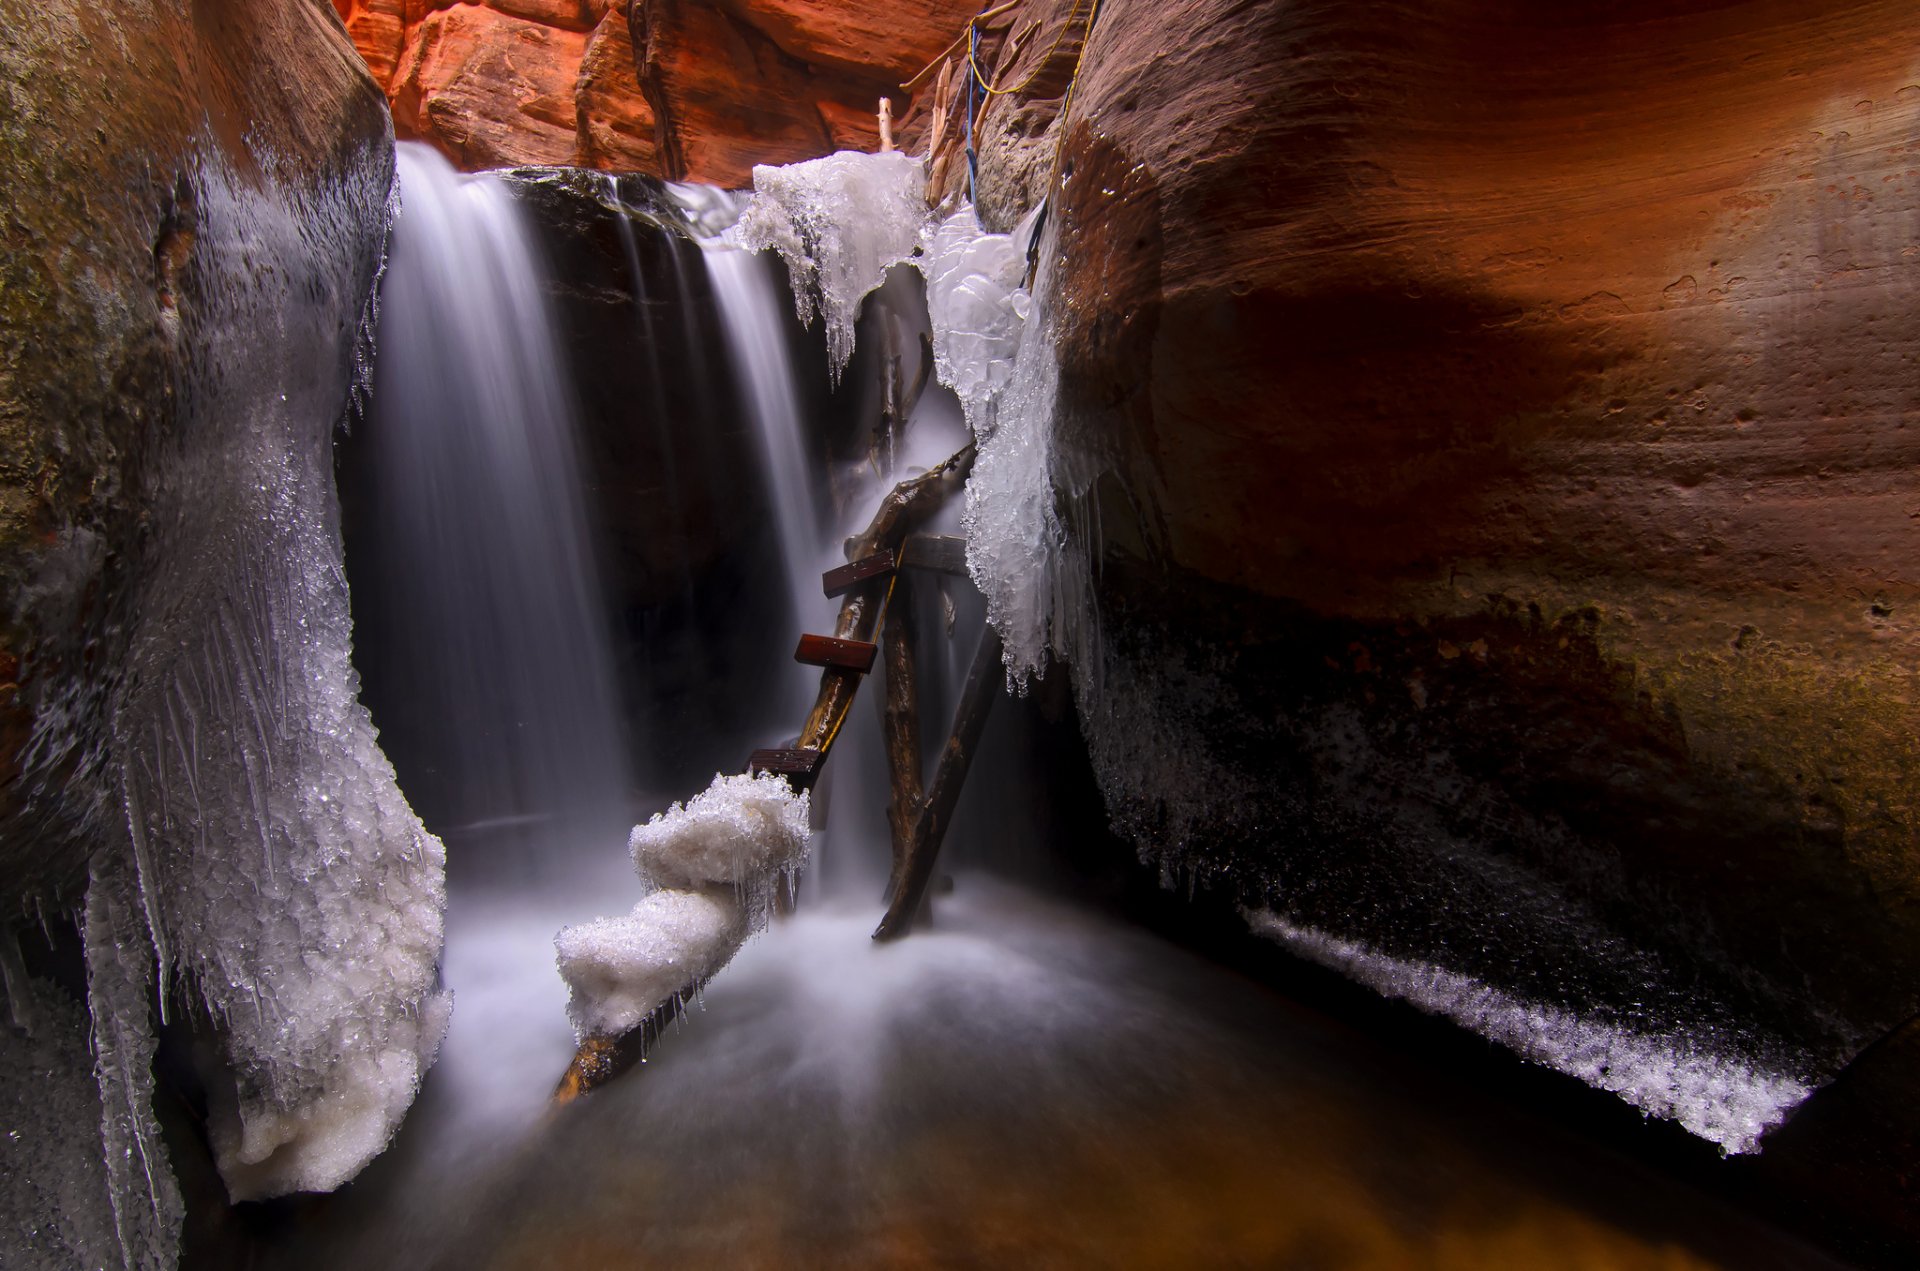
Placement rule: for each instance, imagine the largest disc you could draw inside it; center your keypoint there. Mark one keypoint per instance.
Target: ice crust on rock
(282, 872)
(1719, 1097)
(977, 306)
(141, 1193)
(620, 969)
(740, 830)
(839, 223)
(716, 860)
(55, 1214)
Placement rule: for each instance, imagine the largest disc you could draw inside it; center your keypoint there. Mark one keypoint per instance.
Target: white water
(744, 285)
(482, 511)
(486, 562)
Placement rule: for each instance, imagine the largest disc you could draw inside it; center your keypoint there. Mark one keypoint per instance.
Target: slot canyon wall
(1496, 428)
(684, 89)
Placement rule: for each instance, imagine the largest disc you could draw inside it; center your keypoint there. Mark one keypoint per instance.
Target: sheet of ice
(1720, 1097)
(284, 875)
(740, 830)
(838, 222)
(119, 953)
(1016, 542)
(620, 969)
(54, 1210)
(977, 306)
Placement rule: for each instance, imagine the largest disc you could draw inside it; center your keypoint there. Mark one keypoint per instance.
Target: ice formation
(739, 830)
(619, 969)
(55, 1214)
(993, 347)
(280, 869)
(716, 860)
(838, 223)
(977, 306)
(141, 1193)
(1722, 1099)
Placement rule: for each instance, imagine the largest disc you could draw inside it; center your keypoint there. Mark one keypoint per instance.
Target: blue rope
(973, 60)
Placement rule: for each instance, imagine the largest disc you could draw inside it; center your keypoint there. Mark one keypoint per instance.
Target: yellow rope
(1072, 18)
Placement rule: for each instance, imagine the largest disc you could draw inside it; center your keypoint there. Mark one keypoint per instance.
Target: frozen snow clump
(740, 830)
(620, 969)
(839, 223)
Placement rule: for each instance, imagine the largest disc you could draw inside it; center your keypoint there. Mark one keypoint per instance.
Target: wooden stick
(886, 125)
(900, 723)
(959, 41)
(984, 680)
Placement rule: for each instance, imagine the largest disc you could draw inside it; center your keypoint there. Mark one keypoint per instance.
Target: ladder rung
(943, 553)
(819, 650)
(802, 763)
(845, 578)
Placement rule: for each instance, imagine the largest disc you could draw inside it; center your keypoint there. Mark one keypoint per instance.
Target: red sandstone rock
(489, 89)
(704, 93)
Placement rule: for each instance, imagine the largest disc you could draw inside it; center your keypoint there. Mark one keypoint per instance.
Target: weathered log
(900, 724)
(600, 1059)
(969, 719)
(907, 506)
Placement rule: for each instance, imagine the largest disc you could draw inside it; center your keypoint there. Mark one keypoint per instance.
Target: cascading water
(744, 285)
(484, 532)
(491, 616)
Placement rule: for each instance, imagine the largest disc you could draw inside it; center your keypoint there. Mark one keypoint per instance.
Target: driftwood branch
(984, 679)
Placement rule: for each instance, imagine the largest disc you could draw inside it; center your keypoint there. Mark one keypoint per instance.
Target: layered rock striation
(684, 89)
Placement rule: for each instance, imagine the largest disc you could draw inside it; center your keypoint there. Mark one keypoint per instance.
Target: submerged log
(969, 719)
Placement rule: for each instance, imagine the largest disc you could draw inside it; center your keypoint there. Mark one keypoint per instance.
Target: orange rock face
(686, 89)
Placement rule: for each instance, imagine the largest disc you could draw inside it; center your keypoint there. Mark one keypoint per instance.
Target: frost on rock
(977, 307)
(717, 859)
(620, 969)
(838, 223)
(1714, 1094)
(119, 954)
(281, 870)
(54, 1210)
(739, 830)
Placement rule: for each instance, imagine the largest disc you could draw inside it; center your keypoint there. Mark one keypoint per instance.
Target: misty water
(1031, 1080)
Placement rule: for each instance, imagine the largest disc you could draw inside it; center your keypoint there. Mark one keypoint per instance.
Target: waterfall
(489, 571)
(750, 305)
(492, 632)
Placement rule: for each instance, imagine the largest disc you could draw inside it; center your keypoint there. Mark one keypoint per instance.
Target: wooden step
(851, 655)
(942, 553)
(836, 582)
(803, 765)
